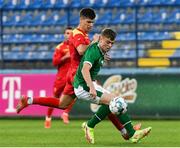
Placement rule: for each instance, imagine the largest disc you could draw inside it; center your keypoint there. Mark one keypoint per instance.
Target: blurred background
(147, 49)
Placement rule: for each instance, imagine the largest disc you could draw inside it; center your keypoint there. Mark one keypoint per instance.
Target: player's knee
(63, 106)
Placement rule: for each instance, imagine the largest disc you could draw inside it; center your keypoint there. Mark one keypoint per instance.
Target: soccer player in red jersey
(61, 60)
(78, 42)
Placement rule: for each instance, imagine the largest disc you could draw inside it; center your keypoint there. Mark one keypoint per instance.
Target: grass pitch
(31, 133)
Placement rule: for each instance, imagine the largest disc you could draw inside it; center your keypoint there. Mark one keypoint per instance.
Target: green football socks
(101, 114)
(125, 120)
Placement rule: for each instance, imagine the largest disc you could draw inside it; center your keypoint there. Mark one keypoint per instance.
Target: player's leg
(113, 118)
(43, 101)
(58, 87)
(103, 98)
(104, 111)
(124, 118)
(68, 91)
(65, 114)
(47, 122)
(62, 103)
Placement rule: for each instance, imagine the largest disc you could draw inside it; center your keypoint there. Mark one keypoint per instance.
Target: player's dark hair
(109, 33)
(88, 13)
(68, 28)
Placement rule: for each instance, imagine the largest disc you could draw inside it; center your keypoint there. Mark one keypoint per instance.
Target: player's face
(67, 34)
(86, 24)
(105, 43)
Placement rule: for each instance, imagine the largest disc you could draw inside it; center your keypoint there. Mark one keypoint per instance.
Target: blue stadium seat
(23, 19)
(145, 17)
(32, 55)
(113, 3)
(146, 36)
(1, 3)
(9, 55)
(118, 17)
(43, 48)
(176, 2)
(59, 18)
(9, 18)
(154, 2)
(22, 4)
(38, 18)
(117, 3)
(58, 37)
(125, 37)
(74, 17)
(9, 4)
(75, 3)
(142, 53)
(123, 54)
(40, 55)
(47, 18)
(93, 3)
(48, 38)
(104, 17)
(27, 19)
(45, 55)
(149, 2)
(123, 17)
(28, 48)
(53, 18)
(154, 36)
(176, 54)
(35, 4)
(160, 16)
(127, 2)
(174, 17)
(162, 35)
(55, 4)
(130, 18)
(171, 2)
(12, 38)
(17, 48)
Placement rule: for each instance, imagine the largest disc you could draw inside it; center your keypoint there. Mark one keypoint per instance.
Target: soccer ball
(118, 106)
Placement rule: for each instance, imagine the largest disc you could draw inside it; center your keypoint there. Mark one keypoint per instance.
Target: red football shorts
(69, 89)
(59, 85)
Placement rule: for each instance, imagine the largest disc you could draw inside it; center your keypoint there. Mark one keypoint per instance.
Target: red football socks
(115, 121)
(47, 101)
(49, 112)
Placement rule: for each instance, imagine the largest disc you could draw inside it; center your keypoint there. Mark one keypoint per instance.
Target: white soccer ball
(118, 106)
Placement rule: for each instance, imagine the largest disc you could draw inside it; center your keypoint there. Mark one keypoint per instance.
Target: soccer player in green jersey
(85, 88)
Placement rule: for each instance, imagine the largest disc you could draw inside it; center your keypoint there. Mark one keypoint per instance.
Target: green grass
(26, 132)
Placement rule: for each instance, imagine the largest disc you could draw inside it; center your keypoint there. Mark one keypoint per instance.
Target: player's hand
(92, 92)
(107, 57)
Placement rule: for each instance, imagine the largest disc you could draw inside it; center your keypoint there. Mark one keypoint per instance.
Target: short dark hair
(68, 28)
(109, 33)
(88, 13)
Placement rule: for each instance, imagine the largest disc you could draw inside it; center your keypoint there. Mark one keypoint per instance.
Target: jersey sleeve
(79, 39)
(59, 52)
(57, 57)
(90, 56)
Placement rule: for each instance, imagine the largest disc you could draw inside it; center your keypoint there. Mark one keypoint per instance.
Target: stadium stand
(148, 30)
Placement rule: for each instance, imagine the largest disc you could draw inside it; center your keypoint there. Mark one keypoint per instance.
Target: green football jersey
(95, 57)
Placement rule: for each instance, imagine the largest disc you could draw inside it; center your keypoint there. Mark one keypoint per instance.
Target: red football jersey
(77, 37)
(63, 65)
